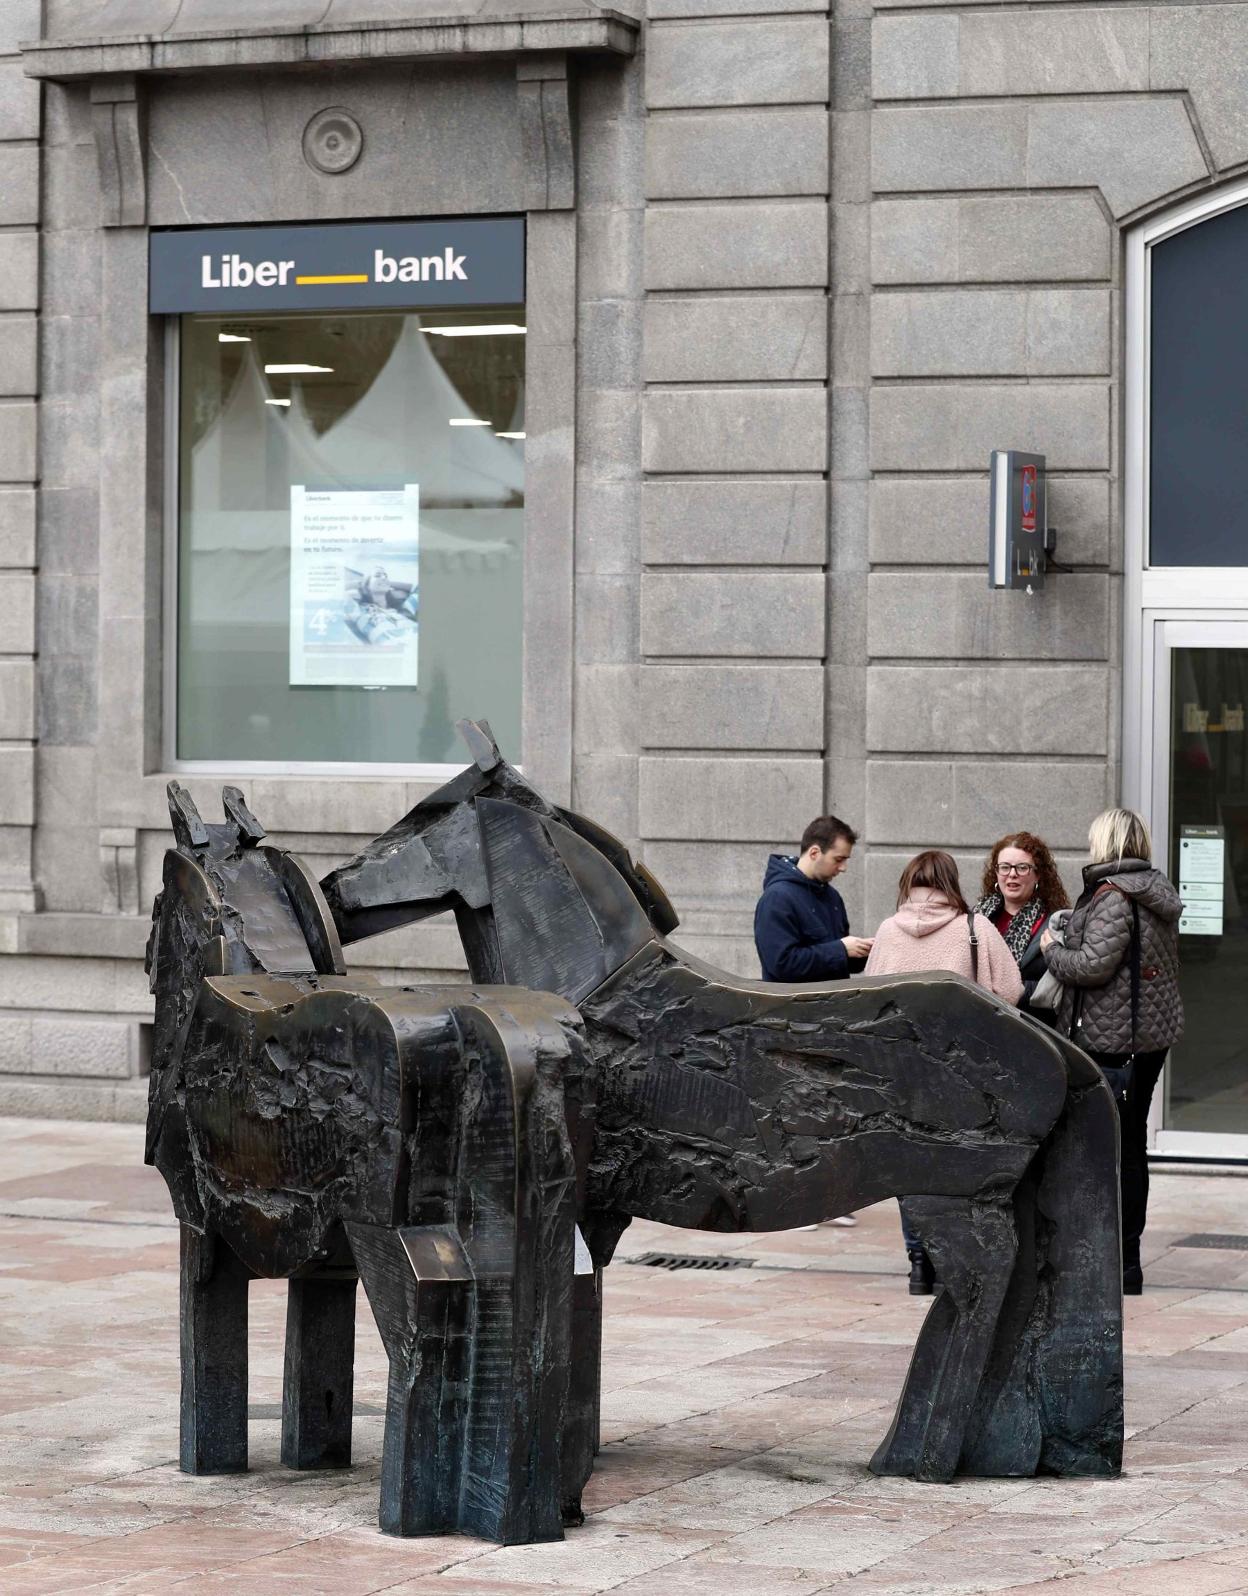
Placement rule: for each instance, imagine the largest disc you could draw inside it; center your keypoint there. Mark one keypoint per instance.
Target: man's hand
(856, 947)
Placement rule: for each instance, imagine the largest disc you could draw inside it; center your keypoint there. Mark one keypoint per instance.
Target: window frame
(1157, 595)
(171, 544)
(1152, 588)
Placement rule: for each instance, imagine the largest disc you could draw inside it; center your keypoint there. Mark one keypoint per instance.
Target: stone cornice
(575, 29)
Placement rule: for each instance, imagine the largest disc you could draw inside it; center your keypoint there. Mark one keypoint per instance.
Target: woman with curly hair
(1021, 889)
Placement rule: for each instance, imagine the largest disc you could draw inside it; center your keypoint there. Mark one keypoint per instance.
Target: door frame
(1164, 631)
(1158, 597)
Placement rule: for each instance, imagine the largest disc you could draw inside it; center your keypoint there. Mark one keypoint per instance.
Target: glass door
(1200, 834)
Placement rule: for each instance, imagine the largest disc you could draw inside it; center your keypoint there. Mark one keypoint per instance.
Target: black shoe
(1133, 1282)
(922, 1275)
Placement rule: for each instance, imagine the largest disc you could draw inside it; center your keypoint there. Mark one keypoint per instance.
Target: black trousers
(1133, 1120)
(908, 1233)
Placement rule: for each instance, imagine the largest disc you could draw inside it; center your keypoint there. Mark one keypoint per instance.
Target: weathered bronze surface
(448, 1142)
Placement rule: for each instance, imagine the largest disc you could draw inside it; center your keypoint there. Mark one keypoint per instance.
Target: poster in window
(354, 587)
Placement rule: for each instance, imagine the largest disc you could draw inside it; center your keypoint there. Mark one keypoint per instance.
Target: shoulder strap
(970, 926)
(1135, 971)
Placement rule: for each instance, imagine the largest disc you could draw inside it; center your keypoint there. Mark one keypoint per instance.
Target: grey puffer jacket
(1097, 957)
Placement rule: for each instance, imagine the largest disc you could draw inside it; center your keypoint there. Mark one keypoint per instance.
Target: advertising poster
(354, 587)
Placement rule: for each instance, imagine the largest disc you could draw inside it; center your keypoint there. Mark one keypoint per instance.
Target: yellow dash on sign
(362, 277)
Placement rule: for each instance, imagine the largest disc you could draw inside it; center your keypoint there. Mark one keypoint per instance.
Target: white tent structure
(406, 416)
(243, 466)
(253, 450)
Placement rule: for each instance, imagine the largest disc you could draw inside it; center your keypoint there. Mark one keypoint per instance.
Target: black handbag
(970, 927)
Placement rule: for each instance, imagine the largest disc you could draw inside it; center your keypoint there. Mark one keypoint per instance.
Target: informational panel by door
(1202, 869)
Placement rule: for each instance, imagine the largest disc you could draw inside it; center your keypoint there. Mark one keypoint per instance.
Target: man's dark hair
(824, 831)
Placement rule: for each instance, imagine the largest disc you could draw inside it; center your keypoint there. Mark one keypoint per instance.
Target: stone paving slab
(740, 1409)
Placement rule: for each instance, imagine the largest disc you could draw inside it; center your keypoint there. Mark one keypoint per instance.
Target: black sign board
(344, 266)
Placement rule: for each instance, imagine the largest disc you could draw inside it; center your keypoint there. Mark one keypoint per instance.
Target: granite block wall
(735, 372)
(19, 471)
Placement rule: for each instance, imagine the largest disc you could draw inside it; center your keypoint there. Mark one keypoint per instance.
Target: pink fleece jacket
(928, 933)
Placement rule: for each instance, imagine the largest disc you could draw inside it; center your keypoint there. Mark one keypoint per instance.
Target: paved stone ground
(740, 1409)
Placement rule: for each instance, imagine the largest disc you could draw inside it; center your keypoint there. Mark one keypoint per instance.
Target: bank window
(350, 530)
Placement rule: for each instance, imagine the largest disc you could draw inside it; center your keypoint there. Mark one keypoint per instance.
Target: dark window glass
(296, 643)
(1209, 864)
(1198, 511)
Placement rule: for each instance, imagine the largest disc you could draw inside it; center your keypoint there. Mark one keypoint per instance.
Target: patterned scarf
(1021, 926)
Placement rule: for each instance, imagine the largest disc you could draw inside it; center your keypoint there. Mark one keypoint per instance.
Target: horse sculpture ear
(481, 744)
(188, 829)
(249, 829)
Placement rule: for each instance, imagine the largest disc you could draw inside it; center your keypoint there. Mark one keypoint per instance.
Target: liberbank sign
(346, 266)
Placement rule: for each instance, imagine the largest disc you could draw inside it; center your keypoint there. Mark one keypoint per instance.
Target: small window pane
(1198, 506)
(411, 418)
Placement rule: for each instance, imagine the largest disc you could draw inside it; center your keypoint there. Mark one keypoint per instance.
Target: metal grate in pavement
(684, 1260)
(1210, 1238)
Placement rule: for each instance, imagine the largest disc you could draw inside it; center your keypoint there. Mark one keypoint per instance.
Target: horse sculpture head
(542, 897)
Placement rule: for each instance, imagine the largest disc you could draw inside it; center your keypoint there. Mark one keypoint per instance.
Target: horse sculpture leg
(972, 1245)
(1079, 1356)
(420, 1288)
(317, 1383)
(1051, 1400)
(580, 1430)
(476, 1312)
(214, 1356)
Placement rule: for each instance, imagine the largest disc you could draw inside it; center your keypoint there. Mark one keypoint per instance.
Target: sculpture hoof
(573, 1513)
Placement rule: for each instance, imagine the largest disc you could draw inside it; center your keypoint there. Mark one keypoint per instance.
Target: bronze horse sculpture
(324, 1128)
(727, 1104)
(593, 1072)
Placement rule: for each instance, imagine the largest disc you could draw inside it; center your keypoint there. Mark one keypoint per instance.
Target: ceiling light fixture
(232, 338)
(291, 368)
(487, 330)
(277, 401)
(509, 434)
(467, 421)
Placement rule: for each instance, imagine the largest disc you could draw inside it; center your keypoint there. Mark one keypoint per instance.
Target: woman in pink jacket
(932, 930)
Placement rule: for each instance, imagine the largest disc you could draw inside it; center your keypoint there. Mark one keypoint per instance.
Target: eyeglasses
(1014, 870)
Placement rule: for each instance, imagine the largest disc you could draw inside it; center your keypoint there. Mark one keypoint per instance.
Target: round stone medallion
(332, 140)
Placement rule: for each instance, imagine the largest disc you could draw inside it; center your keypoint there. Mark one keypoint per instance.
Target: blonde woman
(1119, 967)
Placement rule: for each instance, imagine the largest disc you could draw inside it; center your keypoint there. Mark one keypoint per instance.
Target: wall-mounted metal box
(1016, 520)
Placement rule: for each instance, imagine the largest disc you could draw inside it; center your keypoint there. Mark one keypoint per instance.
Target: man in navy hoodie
(801, 929)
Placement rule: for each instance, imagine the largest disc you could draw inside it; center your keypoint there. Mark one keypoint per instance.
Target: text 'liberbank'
(477, 261)
(234, 271)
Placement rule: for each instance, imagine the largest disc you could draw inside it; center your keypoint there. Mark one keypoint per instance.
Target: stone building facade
(793, 273)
